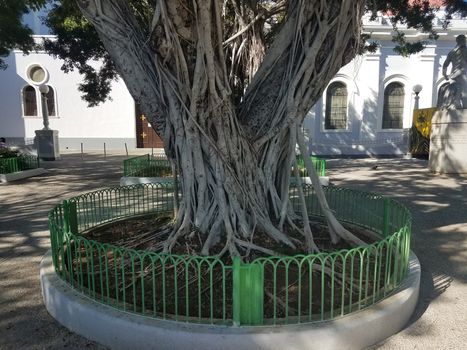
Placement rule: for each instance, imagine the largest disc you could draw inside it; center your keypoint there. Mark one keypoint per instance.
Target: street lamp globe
(44, 89)
(417, 88)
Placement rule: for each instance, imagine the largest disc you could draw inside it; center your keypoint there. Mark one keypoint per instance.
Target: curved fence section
(147, 166)
(272, 290)
(21, 163)
(156, 166)
(318, 163)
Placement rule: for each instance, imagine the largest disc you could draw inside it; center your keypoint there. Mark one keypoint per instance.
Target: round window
(37, 74)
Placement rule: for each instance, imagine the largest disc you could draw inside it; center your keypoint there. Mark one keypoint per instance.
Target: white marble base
(47, 144)
(5, 178)
(448, 142)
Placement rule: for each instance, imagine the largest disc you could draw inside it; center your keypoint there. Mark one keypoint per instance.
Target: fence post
(386, 210)
(73, 219)
(248, 293)
(125, 167)
(70, 217)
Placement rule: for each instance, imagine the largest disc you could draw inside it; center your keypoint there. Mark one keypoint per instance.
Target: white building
(367, 107)
(347, 121)
(20, 113)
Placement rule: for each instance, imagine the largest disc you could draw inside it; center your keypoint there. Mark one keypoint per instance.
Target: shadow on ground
(438, 204)
(24, 239)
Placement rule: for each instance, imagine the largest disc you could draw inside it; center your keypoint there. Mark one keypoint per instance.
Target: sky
(33, 20)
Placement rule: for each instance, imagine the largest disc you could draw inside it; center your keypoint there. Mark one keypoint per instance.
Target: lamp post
(44, 90)
(417, 89)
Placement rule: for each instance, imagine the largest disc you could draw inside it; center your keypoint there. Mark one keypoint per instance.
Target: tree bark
(234, 162)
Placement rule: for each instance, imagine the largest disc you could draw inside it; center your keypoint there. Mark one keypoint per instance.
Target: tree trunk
(234, 162)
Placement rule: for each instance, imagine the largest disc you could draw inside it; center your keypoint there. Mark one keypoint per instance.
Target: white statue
(454, 95)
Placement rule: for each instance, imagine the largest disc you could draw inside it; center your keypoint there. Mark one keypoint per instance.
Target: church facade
(366, 109)
(368, 106)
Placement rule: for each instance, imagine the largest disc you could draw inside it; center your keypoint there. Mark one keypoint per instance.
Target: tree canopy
(78, 43)
(13, 33)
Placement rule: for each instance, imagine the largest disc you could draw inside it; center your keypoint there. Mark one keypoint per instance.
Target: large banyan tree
(226, 84)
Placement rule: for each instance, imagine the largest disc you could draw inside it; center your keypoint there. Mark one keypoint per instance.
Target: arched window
(336, 106)
(393, 109)
(51, 101)
(29, 101)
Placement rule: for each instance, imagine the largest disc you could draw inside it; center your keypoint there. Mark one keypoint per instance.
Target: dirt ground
(438, 204)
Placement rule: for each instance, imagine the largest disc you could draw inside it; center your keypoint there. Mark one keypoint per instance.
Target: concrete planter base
(131, 180)
(324, 180)
(4, 178)
(120, 330)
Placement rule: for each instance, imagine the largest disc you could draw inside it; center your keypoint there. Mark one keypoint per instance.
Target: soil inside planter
(303, 289)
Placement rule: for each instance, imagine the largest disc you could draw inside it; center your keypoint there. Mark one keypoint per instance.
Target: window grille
(29, 101)
(393, 109)
(336, 106)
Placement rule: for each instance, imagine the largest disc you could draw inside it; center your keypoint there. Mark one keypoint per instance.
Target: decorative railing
(147, 166)
(269, 290)
(151, 166)
(318, 163)
(19, 163)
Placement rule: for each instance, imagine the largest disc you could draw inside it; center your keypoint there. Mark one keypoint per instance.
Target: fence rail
(272, 290)
(20, 163)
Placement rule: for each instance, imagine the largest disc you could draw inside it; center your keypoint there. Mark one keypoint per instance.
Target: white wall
(366, 78)
(11, 121)
(74, 119)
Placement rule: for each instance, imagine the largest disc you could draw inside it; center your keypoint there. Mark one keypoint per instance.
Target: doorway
(146, 137)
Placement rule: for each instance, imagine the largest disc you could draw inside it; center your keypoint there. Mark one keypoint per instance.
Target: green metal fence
(318, 163)
(272, 290)
(147, 166)
(20, 163)
(151, 166)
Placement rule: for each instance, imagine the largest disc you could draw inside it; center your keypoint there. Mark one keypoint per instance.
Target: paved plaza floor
(438, 204)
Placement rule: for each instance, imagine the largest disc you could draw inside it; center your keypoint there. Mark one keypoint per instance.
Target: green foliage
(8, 153)
(416, 14)
(13, 34)
(78, 44)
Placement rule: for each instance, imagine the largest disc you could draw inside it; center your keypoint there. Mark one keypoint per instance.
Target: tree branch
(307, 53)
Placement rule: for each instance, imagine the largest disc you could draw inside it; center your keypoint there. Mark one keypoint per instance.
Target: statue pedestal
(47, 144)
(448, 142)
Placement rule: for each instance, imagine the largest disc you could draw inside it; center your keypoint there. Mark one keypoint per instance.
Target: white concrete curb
(324, 180)
(21, 175)
(120, 330)
(132, 180)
